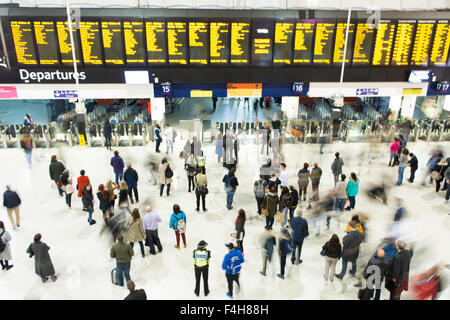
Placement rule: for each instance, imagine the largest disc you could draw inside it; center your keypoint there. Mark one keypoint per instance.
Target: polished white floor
(81, 255)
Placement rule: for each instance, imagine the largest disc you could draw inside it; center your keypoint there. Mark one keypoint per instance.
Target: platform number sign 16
(297, 88)
(300, 88)
(166, 89)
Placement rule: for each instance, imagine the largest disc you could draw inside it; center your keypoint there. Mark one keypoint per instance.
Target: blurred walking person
(107, 132)
(268, 242)
(27, 146)
(56, 168)
(303, 181)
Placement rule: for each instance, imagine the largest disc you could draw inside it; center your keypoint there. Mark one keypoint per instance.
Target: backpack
(181, 225)
(174, 134)
(260, 191)
(228, 187)
(2, 244)
(168, 173)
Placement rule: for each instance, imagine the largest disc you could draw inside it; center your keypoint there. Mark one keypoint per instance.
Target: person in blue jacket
(118, 165)
(352, 190)
(177, 226)
(232, 266)
(107, 131)
(131, 178)
(300, 231)
(158, 137)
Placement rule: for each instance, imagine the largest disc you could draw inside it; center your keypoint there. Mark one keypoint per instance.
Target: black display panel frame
(144, 42)
(313, 37)
(56, 41)
(388, 21)
(185, 45)
(350, 43)
(121, 45)
(372, 44)
(227, 44)
(248, 43)
(102, 57)
(259, 27)
(291, 48)
(413, 36)
(12, 44)
(332, 43)
(207, 43)
(165, 49)
(77, 42)
(433, 29)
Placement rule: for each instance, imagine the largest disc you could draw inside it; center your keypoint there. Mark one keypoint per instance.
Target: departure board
(65, 46)
(198, 42)
(441, 43)
(156, 42)
(323, 44)
(403, 43)
(134, 37)
(363, 44)
(177, 42)
(303, 43)
(283, 41)
(341, 29)
(262, 35)
(219, 37)
(239, 44)
(45, 35)
(383, 43)
(112, 42)
(24, 43)
(90, 42)
(422, 43)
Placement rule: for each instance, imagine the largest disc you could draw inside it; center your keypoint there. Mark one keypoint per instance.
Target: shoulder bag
(265, 211)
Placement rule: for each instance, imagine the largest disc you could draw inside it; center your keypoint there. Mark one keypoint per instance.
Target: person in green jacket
(122, 252)
(352, 190)
(271, 203)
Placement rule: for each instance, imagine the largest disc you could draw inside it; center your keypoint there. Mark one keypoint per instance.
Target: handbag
(436, 175)
(322, 253)
(279, 217)
(265, 211)
(181, 154)
(361, 293)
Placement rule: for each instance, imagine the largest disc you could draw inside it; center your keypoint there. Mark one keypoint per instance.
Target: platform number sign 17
(166, 89)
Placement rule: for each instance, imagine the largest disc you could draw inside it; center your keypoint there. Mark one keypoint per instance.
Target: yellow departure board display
(383, 43)
(363, 44)
(45, 35)
(133, 33)
(112, 42)
(422, 43)
(65, 46)
(198, 43)
(283, 40)
(23, 42)
(304, 37)
(441, 43)
(240, 38)
(339, 42)
(323, 44)
(156, 42)
(219, 37)
(403, 43)
(177, 42)
(90, 42)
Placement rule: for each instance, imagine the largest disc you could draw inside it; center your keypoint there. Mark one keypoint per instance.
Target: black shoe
(197, 210)
(196, 293)
(206, 293)
(92, 222)
(8, 267)
(205, 210)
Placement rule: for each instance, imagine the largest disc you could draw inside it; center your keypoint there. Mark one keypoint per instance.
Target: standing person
(303, 181)
(82, 180)
(403, 161)
(123, 195)
(158, 137)
(316, 173)
(284, 204)
(336, 167)
(178, 224)
(350, 251)
(284, 248)
(231, 183)
(118, 165)
(196, 147)
(111, 186)
(283, 175)
(43, 265)
(268, 242)
(219, 147)
(27, 146)
(12, 201)
(232, 265)
(270, 203)
(103, 198)
(414, 164)
(440, 168)
(168, 135)
(107, 131)
(236, 145)
(135, 294)
(399, 271)
(273, 181)
(447, 179)
(300, 231)
(150, 222)
(187, 151)
(201, 184)
(259, 188)
(214, 101)
(5, 252)
(190, 168)
(66, 185)
(378, 261)
(56, 168)
(265, 138)
(88, 201)
(240, 230)
(331, 251)
(402, 143)
(135, 231)
(352, 190)
(201, 267)
(131, 178)
(165, 176)
(122, 252)
(395, 146)
(28, 121)
(340, 192)
(293, 202)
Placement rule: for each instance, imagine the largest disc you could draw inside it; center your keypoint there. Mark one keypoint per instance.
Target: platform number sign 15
(166, 89)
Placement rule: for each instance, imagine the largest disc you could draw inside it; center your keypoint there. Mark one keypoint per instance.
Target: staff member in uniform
(201, 162)
(201, 266)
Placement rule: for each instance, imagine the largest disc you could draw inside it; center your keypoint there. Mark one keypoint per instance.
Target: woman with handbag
(66, 185)
(201, 189)
(240, 231)
(135, 230)
(190, 170)
(269, 206)
(165, 176)
(331, 251)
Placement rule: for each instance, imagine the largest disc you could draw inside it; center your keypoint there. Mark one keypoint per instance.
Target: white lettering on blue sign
(65, 93)
(367, 91)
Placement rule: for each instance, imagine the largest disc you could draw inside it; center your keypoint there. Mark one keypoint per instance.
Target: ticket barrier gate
(445, 131)
(356, 131)
(94, 135)
(38, 133)
(138, 135)
(424, 128)
(122, 134)
(10, 136)
(435, 134)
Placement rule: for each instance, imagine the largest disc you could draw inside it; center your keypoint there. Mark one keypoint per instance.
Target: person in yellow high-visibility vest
(201, 266)
(201, 162)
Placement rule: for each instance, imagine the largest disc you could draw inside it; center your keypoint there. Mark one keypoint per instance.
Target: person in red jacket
(82, 180)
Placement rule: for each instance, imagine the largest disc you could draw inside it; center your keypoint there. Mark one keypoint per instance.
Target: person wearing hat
(232, 266)
(201, 267)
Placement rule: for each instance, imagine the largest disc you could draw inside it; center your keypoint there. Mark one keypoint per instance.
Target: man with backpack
(260, 191)
(231, 182)
(232, 265)
(178, 224)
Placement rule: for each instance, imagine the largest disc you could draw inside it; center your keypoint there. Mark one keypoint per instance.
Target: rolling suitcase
(114, 276)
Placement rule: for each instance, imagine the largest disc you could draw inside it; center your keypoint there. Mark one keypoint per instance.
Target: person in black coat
(399, 272)
(105, 204)
(293, 202)
(240, 231)
(414, 165)
(377, 261)
(107, 133)
(11, 201)
(135, 294)
(350, 251)
(56, 169)
(88, 201)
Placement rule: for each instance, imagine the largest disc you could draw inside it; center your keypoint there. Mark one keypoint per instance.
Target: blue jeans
(91, 210)
(316, 222)
(169, 145)
(28, 156)
(286, 215)
(119, 177)
(295, 245)
(344, 267)
(141, 244)
(340, 204)
(60, 191)
(352, 202)
(392, 157)
(123, 268)
(230, 196)
(400, 175)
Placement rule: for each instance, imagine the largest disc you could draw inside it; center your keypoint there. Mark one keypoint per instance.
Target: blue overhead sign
(438, 89)
(367, 91)
(300, 88)
(65, 93)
